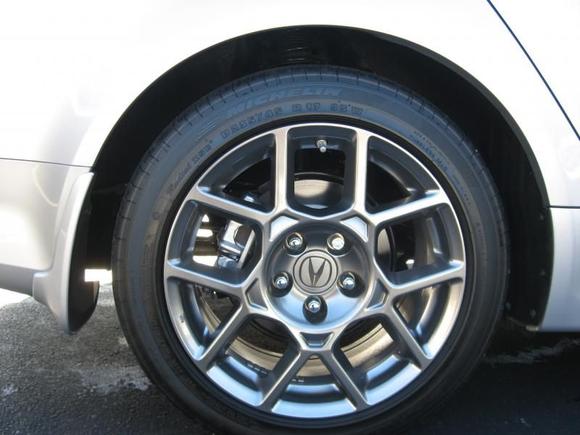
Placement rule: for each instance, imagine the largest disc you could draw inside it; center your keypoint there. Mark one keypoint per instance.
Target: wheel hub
(315, 272)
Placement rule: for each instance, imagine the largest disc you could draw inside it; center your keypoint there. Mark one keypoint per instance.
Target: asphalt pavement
(91, 383)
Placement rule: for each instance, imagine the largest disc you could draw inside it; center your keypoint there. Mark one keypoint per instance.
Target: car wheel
(310, 248)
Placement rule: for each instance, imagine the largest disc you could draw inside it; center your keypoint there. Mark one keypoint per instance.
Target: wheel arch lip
(553, 177)
(110, 141)
(463, 72)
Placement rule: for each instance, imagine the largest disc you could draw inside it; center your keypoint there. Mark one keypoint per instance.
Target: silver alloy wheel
(263, 339)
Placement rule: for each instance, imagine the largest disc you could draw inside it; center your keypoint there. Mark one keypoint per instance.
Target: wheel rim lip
(289, 408)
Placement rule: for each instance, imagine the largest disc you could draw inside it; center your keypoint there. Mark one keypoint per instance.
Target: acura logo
(315, 271)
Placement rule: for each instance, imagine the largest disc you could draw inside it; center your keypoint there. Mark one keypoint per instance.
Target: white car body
(72, 69)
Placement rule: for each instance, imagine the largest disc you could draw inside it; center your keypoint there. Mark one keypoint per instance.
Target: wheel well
(484, 120)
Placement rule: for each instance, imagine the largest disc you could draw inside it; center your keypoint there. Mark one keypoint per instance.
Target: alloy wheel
(314, 270)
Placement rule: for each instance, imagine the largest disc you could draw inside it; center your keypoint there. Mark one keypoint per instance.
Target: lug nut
(336, 243)
(314, 306)
(348, 284)
(295, 243)
(314, 309)
(281, 284)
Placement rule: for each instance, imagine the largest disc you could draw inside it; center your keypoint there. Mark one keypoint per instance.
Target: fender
(92, 73)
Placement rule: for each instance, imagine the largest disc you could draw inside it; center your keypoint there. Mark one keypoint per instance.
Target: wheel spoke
(406, 338)
(281, 172)
(175, 270)
(337, 365)
(226, 206)
(222, 337)
(409, 207)
(358, 173)
(285, 370)
(423, 277)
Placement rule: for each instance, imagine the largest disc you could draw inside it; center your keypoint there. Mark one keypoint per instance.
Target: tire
(243, 110)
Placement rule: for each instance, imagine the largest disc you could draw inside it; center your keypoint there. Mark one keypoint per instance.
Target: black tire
(257, 103)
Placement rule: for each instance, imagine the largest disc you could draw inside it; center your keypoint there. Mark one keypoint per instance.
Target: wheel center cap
(315, 271)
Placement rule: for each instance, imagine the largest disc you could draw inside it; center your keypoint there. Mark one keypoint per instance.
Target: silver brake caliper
(234, 245)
